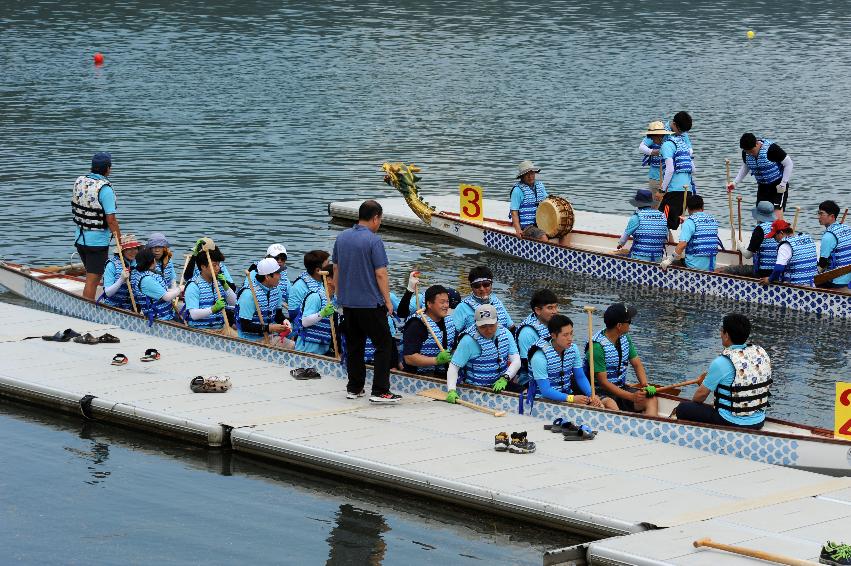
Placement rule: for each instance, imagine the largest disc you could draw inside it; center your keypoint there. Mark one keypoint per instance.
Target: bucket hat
(525, 167)
(763, 211)
(642, 198)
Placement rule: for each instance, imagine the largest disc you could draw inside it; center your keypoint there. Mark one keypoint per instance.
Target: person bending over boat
(763, 250)
(267, 296)
(533, 328)
(481, 283)
(163, 265)
(315, 336)
(614, 352)
(739, 378)
(650, 147)
(421, 353)
(835, 245)
(698, 238)
(150, 289)
(526, 194)
(679, 168)
(797, 261)
(770, 166)
(205, 310)
(556, 367)
(93, 205)
(486, 355)
(308, 281)
(648, 228)
(115, 277)
(279, 253)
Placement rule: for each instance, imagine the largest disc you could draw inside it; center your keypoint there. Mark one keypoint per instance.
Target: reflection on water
(356, 537)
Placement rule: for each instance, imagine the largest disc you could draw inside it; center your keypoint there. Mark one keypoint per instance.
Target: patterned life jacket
(765, 171)
(841, 255)
(538, 326)
(766, 257)
(85, 204)
(682, 154)
(532, 197)
(616, 363)
(154, 309)
(282, 286)
(705, 240)
(296, 310)
(501, 314)
(492, 362)
(269, 301)
(803, 266)
(121, 298)
(319, 333)
(748, 393)
(429, 347)
(652, 233)
(167, 274)
(559, 367)
(653, 161)
(205, 301)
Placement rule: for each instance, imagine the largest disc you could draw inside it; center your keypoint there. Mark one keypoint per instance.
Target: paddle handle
(795, 221)
(183, 271)
(430, 330)
(844, 214)
(333, 324)
(676, 385)
(739, 198)
(213, 274)
(129, 286)
(590, 311)
(743, 551)
(479, 408)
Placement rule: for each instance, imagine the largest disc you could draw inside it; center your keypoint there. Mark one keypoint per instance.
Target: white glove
(781, 188)
(125, 274)
(740, 245)
(666, 263)
(288, 326)
(413, 281)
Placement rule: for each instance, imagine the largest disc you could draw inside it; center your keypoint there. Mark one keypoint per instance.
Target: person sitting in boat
(279, 253)
(409, 304)
(525, 196)
(263, 293)
(698, 238)
(763, 250)
(115, 277)
(739, 378)
(163, 265)
(203, 306)
(835, 247)
(555, 366)
(422, 354)
(648, 228)
(486, 355)
(651, 147)
(797, 259)
(308, 281)
(152, 294)
(481, 283)
(193, 269)
(614, 352)
(533, 328)
(315, 336)
(679, 168)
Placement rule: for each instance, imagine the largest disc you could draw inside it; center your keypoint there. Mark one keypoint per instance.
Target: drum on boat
(554, 216)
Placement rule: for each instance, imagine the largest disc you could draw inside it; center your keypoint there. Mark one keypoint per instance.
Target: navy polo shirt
(358, 252)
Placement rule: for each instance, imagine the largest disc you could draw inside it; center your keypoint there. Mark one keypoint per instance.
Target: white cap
(485, 314)
(267, 266)
(275, 250)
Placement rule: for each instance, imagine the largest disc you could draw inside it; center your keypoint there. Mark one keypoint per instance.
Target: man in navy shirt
(363, 290)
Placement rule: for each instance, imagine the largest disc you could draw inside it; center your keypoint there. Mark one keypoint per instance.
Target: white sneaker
(386, 398)
(354, 395)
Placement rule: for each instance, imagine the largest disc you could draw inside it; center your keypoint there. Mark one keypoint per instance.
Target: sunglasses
(481, 284)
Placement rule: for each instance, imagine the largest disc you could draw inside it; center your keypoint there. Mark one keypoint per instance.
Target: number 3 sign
(842, 416)
(472, 203)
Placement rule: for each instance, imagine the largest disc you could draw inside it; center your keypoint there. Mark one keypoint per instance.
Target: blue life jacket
(501, 314)
(766, 257)
(652, 234)
(154, 309)
(319, 333)
(652, 160)
(803, 266)
(205, 301)
(296, 310)
(616, 364)
(705, 240)
(269, 301)
(167, 274)
(765, 171)
(492, 362)
(559, 367)
(543, 334)
(841, 254)
(532, 197)
(121, 298)
(682, 154)
(430, 348)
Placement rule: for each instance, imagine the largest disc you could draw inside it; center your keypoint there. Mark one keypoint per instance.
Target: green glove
(327, 310)
(500, 384)
(198, 245)
(443, 357)
(650, 391)
(218, 306)
(451, 397)
(223, 280)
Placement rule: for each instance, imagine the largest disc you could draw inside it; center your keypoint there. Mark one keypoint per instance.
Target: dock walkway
(611, 486)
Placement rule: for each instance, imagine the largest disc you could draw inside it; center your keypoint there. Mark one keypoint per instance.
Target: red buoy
(98, 58)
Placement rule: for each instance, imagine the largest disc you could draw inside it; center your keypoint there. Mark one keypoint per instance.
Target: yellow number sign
(842, 415)
(472, 205)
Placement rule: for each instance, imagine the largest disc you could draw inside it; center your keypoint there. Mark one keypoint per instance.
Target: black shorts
(700, 413)
(627, 404)
(672, 207)
(93, 257)
(769, 193)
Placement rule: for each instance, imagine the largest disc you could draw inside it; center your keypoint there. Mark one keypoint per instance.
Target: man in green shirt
(614, 352)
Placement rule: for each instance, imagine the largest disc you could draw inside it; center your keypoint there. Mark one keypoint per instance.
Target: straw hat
(525, 167)
(129, 241)
(657, 129)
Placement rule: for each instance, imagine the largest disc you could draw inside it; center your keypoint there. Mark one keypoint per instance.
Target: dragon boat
(594, 253)
(779, 442)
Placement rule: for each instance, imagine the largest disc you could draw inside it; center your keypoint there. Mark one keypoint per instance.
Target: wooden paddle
(795, 221)
(730, 206)
(739, 198)
(124, 267)
(672, 388)
(182, 273)
(844, 214)
(441, 396)
(743, 551)
(590, 310)
(430, 330)
(324, 275)
(208, 245)
(832, 274)
(256, 303)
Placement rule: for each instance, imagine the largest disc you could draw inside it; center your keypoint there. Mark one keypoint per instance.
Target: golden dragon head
(404, 179)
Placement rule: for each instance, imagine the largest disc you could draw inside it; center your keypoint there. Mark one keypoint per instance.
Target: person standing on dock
(651, 147)
(363, 290)
(835, 247)
(698, 238)
(677, 153)
(763, 250)
(648, 228)
(533, 328)
(739, 378)
(526, 194)
(481, 283)
(797, 261)
(421, 353)
(93, 205)
(115, 277)
(770, 166)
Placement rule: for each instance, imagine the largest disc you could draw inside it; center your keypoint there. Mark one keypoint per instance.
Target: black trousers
(672, 207)
(362, 324)
(700, 413)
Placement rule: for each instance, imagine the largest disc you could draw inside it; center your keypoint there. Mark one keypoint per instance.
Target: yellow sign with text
(842, 414)
(472, 203)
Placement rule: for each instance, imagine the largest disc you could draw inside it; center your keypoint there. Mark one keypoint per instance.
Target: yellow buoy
(751, 34)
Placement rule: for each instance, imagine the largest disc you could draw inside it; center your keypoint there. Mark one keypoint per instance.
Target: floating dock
(663, 497)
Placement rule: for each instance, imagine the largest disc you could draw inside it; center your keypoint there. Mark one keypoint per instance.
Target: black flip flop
(556, 422)
(62, 336)
(151, 355)
(108, 339)
(303, 374)
(86, 339)
(119, 360)
(584, 432)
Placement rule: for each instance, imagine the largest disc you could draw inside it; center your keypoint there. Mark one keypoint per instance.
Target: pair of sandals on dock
(69, 335)
(151, 355)
(571, 431)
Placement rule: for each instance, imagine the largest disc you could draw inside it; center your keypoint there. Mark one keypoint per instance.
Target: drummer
(526, 194)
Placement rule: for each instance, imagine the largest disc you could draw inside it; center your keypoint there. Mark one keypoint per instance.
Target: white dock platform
(613, 485)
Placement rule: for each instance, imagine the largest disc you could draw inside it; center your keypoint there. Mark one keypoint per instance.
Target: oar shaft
(739, 198)
(430, 330)
(795, 221)
(844, 214)
(590, 311)
(129, 286)
(743, 551)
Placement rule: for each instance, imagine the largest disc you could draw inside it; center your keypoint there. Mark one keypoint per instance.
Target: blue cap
(101, 159)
